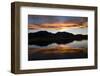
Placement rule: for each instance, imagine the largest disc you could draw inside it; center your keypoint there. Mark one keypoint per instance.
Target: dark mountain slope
(44, 37)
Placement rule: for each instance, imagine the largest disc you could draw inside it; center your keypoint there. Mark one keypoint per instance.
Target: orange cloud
(57, 26)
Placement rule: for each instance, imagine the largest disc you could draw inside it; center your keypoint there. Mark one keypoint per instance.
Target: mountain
(44, 37)
(48, 34)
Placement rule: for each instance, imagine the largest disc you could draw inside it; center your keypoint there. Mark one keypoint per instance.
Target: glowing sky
(75, 25)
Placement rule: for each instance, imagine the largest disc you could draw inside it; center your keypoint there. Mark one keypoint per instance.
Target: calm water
(72, 50)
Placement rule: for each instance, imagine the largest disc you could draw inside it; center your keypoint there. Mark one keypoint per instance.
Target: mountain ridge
(44, 37)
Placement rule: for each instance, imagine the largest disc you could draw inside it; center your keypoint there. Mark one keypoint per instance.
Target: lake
(72, 50)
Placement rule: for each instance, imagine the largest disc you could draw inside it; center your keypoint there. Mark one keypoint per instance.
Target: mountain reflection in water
(72, 50)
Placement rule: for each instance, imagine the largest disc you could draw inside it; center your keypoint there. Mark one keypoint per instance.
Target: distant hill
(44, 37)
(48, 34)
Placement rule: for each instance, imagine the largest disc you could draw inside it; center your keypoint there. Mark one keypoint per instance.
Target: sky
(54, 24)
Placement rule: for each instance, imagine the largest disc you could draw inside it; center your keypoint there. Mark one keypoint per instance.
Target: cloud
(57, 26)
(42, 19)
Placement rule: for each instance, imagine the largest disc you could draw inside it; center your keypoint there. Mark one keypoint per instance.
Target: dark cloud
(41, 19)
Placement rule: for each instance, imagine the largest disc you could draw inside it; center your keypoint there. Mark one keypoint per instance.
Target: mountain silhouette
(48, 34)
(43, 38)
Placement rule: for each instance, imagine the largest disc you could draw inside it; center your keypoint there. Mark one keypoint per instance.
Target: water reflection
(72, 50)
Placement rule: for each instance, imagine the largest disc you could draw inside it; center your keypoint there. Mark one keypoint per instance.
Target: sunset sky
(54, 24)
